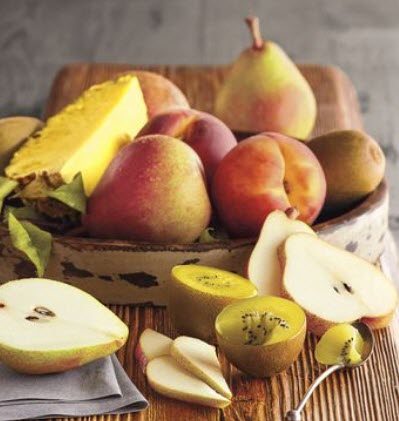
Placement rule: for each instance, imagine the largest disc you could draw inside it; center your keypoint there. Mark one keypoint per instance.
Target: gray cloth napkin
(101, 387)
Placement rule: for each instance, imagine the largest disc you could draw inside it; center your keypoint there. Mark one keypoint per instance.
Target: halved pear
(263, 266)
(48, 326)
(333, 285)
(261, 336)
(151, 345)
(170, 379)
(200, 359)
(198, 293)
(341, 344)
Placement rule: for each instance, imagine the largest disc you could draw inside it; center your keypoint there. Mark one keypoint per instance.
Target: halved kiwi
(198, 293)
(341, 344)
(261, 336)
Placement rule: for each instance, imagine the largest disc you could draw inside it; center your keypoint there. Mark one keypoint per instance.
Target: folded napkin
(101, 387)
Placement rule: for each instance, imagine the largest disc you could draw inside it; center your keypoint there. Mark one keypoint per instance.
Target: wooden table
(366, 394)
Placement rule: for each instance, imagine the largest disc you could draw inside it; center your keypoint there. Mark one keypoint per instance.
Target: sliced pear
(198, 293)
(261, 336)
(200, 359)
(170, 379)
(263, 265)
(341, 344)
(151, 345)
(333, 285)
(48, 326)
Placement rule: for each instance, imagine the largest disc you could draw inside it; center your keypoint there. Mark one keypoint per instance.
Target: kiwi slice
(198, 293)
(341, 344)
(262, 335)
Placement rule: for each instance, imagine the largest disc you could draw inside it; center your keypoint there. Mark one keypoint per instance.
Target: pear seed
(44, 311)
(348, 288)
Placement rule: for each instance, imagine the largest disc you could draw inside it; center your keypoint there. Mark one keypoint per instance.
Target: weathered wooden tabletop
(365, 394)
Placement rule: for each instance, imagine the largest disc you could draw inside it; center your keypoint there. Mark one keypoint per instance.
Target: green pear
(265, 91)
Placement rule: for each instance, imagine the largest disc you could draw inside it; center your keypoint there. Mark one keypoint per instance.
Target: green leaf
(6, 187)
(32, 241)
(71, 194)
(211, 235)
(24, 212)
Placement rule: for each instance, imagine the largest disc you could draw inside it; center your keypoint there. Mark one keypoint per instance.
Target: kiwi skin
(194, 313)
(353, 163)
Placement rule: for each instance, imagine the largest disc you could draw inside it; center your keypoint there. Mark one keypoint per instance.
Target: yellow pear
(265, 91)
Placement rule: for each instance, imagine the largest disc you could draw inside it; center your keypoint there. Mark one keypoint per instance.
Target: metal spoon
(368, 338)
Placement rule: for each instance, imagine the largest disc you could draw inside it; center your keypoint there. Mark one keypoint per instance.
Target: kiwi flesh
(341, 344)
(261, 336)
(257, 326)
(198, 293)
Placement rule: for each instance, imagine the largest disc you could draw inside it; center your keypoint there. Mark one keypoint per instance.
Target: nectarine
(160, 94)
(266, 172)
(206, 134)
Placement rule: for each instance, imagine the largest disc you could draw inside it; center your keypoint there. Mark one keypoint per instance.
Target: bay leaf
(32, 241)
(6, 187)
(71, 194)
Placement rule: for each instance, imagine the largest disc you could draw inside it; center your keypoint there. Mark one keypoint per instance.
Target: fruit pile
(130, 160)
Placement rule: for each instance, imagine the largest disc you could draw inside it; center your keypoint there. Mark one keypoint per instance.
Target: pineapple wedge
(85, 136)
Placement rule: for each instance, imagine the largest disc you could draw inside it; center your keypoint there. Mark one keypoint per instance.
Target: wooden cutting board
(367, 393)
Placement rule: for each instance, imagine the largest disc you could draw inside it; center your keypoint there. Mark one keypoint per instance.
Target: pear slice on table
(200, 359)
(170, 379)
(333, 285)
(151, 345)
(48, 326)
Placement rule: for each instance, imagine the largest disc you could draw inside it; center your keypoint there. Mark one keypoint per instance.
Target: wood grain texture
(369, 393)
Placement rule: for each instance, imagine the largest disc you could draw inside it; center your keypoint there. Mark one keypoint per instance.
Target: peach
(153, 191)
(206, 134)
(266, 172)
(160, 94)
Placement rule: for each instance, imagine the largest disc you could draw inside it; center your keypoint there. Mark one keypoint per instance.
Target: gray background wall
(361, 36)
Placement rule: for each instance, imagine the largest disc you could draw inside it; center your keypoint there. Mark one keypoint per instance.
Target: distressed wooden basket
(122, 272)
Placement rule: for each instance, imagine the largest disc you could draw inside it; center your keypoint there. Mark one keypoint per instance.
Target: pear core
(341, 344)
(260, 321)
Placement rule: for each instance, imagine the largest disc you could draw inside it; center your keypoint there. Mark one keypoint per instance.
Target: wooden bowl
(123, 272)
(128, 273)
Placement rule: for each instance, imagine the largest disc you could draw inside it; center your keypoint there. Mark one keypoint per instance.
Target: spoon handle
(295, 414)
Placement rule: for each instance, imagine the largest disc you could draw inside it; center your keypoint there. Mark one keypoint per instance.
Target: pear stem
(292, 212)
(253, 25)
